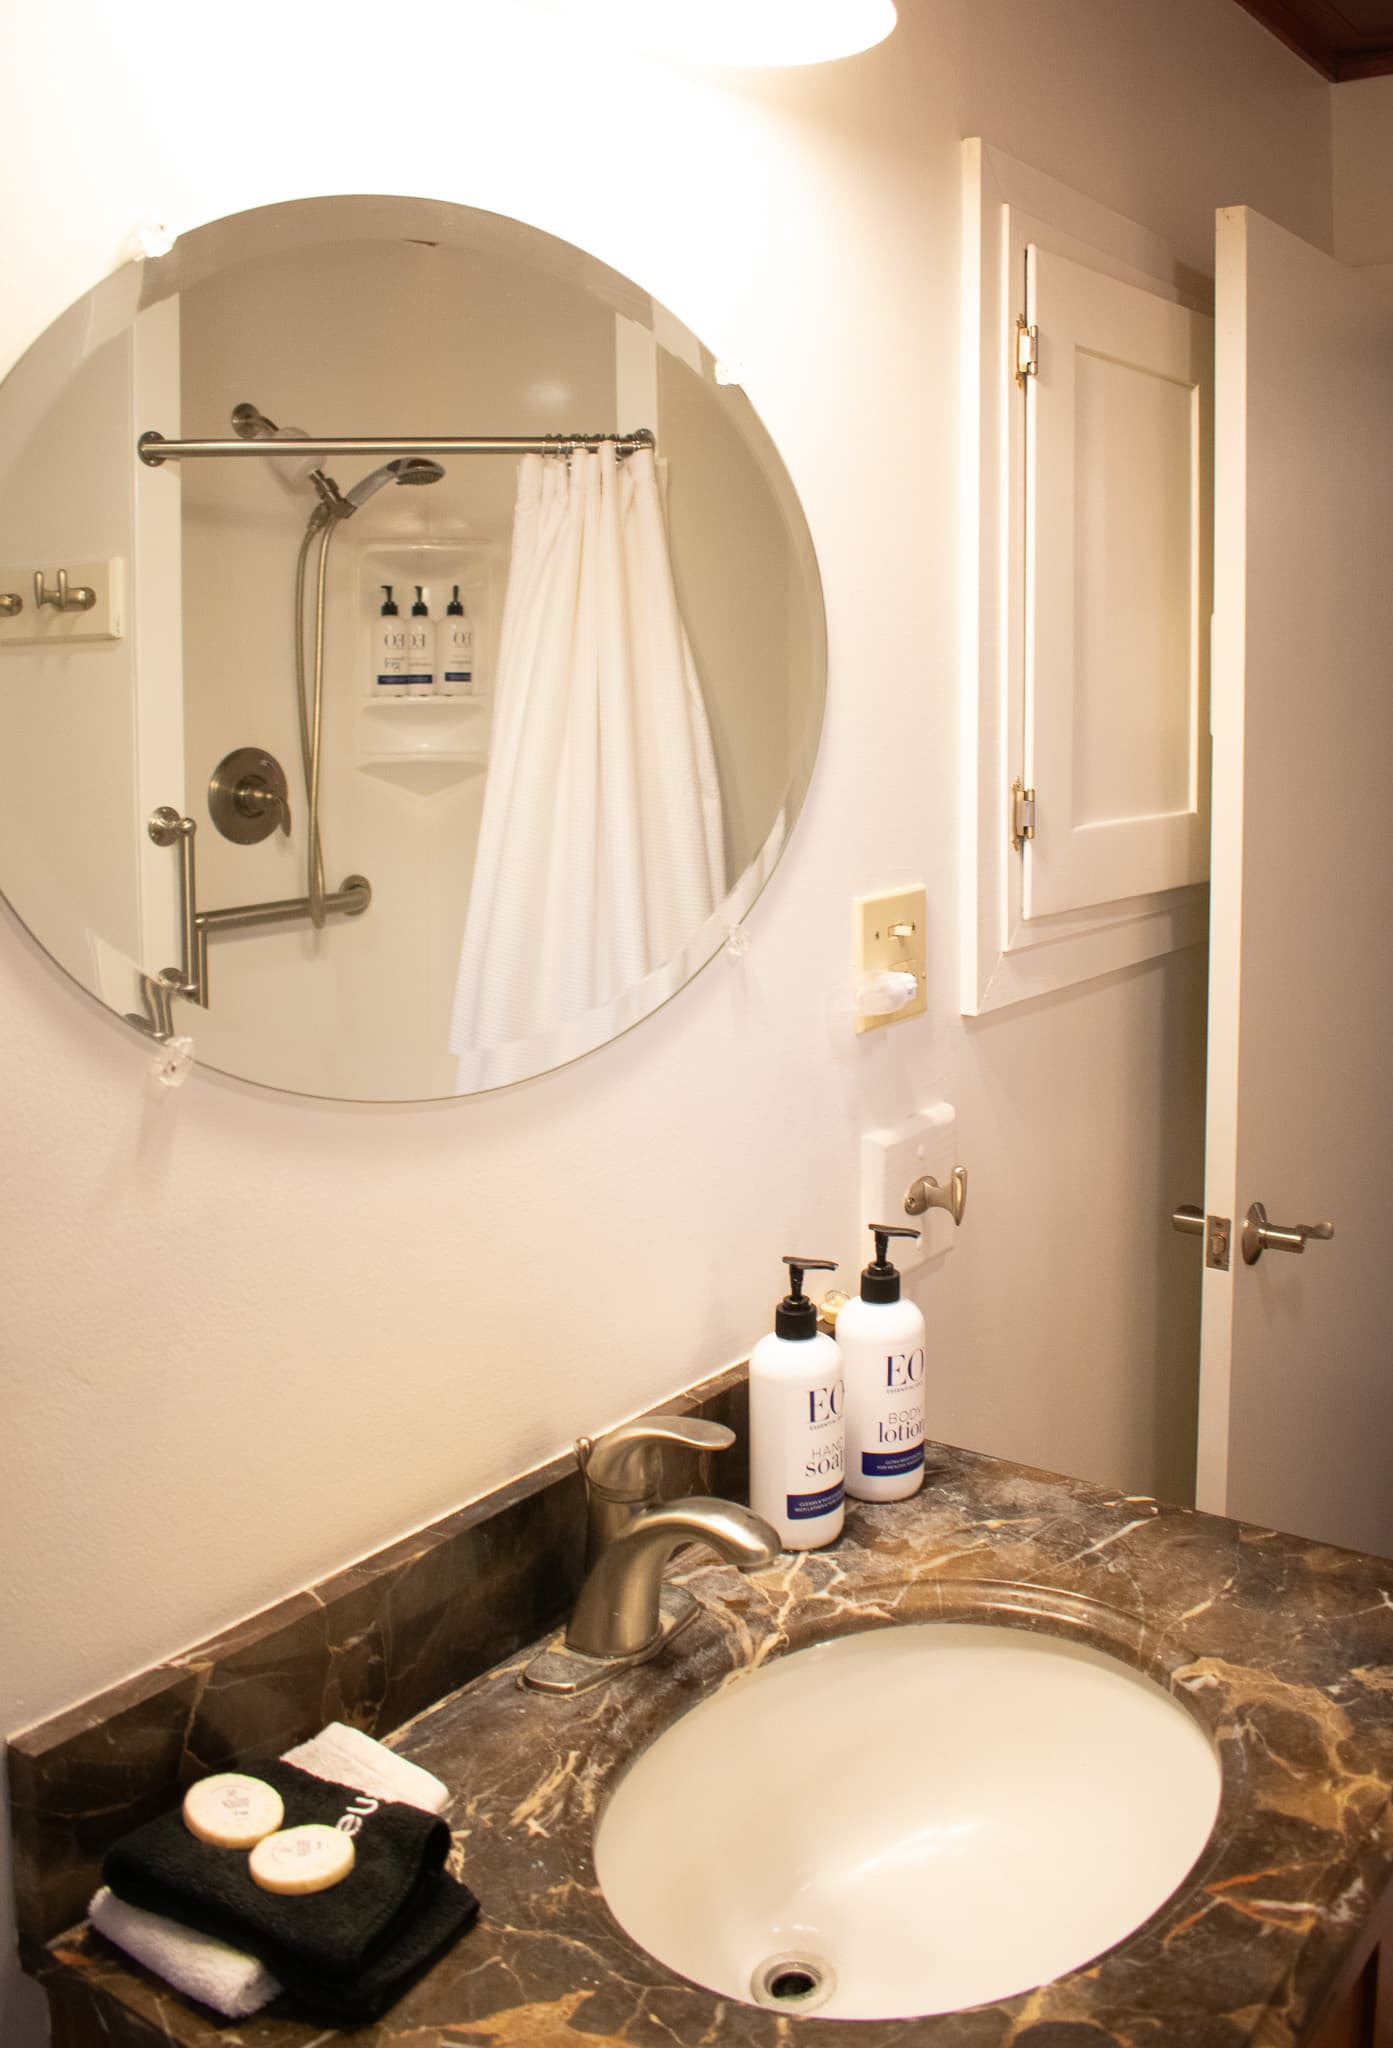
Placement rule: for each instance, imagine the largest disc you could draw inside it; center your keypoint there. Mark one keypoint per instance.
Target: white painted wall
(361, 1317)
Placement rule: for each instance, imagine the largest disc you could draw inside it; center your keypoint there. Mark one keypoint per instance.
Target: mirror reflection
(428, 705)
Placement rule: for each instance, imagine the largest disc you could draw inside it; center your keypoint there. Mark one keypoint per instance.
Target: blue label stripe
(890, 1464)
(804, 1507)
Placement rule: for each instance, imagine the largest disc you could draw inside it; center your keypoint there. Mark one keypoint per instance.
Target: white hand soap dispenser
(420, 649)
(389, 655)
(796, 1437)
(881, 1339)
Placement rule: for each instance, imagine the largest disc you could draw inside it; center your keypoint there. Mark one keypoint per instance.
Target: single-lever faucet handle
(623, 1465)
(623, 1471)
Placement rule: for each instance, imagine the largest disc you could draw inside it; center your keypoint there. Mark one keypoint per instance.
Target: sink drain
(793, 1983)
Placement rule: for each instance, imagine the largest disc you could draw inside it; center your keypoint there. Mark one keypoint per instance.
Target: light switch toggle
(925, 1194)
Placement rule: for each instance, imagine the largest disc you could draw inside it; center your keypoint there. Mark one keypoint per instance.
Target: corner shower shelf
(425, 743)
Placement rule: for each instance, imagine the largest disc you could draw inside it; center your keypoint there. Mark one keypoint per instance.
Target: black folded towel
(347, 1953)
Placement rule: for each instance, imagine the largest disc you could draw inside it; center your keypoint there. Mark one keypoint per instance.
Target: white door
(1296, 1396)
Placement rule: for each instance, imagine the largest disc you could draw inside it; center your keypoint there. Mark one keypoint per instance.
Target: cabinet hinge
(1027, 351)
(1022, 814)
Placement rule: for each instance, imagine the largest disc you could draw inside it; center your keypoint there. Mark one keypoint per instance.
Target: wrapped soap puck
(232, 1811)
(310, 1858)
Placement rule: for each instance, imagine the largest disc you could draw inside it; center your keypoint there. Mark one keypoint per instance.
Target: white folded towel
(345, 1756)
(233, 1983)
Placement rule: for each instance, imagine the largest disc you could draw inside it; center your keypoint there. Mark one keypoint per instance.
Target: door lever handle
(1260, 1236)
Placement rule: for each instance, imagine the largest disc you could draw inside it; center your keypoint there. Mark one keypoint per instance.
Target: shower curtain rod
(154, 449)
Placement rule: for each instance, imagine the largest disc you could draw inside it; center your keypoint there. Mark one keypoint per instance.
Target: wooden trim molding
(1324, 35)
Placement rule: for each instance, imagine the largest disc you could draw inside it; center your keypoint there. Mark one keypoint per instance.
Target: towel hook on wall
(80, 598)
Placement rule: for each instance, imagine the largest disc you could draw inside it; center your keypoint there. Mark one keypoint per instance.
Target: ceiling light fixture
(752, 32)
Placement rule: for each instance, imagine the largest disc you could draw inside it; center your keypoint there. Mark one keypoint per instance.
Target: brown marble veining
(1283, 1649)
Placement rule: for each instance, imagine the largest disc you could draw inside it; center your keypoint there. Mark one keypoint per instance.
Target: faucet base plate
(560, 1670)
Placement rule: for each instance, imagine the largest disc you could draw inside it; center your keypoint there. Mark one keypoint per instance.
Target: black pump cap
(881, 1282)
(389, 610)
(454, 608)
(795, 1315)
(418, 610)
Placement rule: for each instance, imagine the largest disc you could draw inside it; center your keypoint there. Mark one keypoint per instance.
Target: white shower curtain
(600, 849)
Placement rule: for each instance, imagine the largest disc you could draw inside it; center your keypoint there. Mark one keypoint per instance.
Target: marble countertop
(1283, 1648)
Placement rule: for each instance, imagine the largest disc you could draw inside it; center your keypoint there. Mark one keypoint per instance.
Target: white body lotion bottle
(881, 1339)
(796, 1436)
(454, 649)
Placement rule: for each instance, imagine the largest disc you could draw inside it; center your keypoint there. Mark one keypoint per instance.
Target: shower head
(406, 469)
(249, 423)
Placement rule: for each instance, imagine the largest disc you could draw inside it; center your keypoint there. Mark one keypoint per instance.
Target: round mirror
(422, 761)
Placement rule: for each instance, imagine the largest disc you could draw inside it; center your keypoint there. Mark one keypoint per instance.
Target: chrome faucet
(625, 1614)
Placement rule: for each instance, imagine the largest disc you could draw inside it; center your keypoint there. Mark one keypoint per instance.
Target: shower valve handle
(248, 797)
(254, 799)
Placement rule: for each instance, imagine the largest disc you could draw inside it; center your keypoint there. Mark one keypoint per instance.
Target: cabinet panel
(1118, 436)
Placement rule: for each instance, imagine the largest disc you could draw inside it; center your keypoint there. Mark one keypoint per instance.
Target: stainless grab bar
(190, 978)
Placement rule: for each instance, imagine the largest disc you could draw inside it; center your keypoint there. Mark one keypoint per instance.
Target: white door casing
(1296, 1392)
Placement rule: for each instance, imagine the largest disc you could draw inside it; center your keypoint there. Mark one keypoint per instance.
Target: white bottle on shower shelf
(389, 650)
(454, 648)
(420, 649)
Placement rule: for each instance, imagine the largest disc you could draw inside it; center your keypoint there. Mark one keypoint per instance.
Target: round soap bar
(303, 1859)
(231, 1811)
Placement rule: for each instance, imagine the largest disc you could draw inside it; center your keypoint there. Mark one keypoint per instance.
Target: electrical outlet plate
(888, 935)
(891, 1161)
(46, 627)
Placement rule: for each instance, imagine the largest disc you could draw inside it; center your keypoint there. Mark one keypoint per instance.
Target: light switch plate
(891, 1161)
(888, 936)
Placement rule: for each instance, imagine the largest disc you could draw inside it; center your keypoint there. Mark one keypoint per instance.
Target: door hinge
(1027, 351)
(1022, 814)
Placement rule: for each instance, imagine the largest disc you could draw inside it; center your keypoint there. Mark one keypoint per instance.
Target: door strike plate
(1218, 1238)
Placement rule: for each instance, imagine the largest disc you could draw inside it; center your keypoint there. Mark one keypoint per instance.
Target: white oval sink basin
(908, 1821)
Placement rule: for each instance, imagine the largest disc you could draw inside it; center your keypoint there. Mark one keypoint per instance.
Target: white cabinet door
(1296, 1394)
(1119, 414)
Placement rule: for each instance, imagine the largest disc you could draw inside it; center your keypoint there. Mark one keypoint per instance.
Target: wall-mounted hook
(80, 598)
(925, 1193)
(11, 604)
